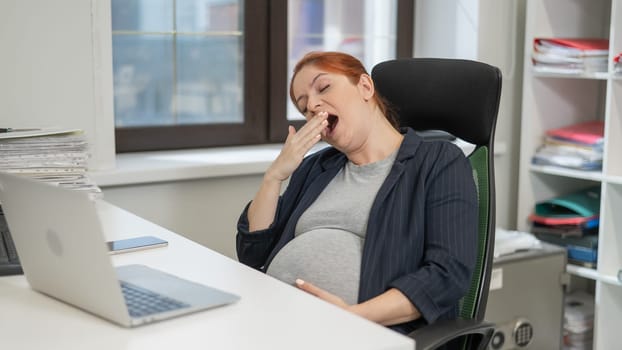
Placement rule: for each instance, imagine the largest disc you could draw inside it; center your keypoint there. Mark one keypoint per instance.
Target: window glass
(142, 15)
(177, 62)
(365, 29)
(208, 15)
(211, 95)
(143, 86)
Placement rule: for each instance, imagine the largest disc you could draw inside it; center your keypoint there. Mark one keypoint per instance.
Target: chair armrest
(437, 334)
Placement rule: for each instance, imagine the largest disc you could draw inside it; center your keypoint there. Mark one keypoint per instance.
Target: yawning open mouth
(332, 122)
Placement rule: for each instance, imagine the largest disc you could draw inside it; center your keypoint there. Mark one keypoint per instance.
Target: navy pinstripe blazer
(422, 228)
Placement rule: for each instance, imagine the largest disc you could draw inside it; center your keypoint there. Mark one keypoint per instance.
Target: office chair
(460, 97)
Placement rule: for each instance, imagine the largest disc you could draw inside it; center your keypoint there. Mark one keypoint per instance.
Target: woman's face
(346, 103)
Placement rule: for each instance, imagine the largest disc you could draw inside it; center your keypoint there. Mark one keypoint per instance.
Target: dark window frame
(265, 70)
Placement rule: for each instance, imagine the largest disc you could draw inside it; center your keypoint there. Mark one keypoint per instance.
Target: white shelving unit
(555, 100)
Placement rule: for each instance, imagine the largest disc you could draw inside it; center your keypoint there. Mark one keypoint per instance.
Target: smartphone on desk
(135, 244)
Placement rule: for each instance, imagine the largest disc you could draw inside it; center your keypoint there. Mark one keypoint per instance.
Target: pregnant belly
(328, 258)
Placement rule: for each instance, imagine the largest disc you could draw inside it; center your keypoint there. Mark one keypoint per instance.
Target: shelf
(582, 75)
(610, 280)
(581, 271)
(576, 174)
(553, 98)
(592, 274)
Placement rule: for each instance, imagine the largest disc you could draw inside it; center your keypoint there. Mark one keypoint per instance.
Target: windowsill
(164, 166)
(179, 165)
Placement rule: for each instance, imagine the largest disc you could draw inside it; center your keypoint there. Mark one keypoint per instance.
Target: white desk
(270, 314)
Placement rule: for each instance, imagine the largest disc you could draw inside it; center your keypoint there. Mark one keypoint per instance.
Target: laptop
(62, 249)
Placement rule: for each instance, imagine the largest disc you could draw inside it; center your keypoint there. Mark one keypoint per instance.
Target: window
(199, 73)
(363, 28)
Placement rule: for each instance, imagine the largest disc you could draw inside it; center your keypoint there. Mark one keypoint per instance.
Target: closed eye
(324, 88)
(302, 106)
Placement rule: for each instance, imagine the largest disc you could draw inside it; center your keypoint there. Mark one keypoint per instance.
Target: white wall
(501, 38)
(446, 28)
(490, 31)
(56, 70)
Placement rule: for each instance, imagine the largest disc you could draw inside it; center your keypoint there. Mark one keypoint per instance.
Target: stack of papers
(570, 55)
(55, 156)
(509, 241)
(577, 146)
(578, 321)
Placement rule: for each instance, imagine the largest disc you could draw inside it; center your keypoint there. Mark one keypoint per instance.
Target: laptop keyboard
(142, 302)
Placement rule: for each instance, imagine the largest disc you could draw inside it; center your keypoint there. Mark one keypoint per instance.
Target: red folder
(578, 43)
(577, 220)
(590, 132)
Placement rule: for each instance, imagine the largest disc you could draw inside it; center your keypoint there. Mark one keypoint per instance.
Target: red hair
(344, 64)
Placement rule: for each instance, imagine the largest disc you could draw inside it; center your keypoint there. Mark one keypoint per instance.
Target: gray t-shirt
(329, 236)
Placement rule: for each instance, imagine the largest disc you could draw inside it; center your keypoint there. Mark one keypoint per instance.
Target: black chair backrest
(460, 97)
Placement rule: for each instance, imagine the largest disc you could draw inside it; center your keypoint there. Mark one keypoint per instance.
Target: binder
(577, 46)
(590, 228)
(582, 254)
(564, 220)
(573, 214)
(586, 133)
(586, 241)
(583, 204)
